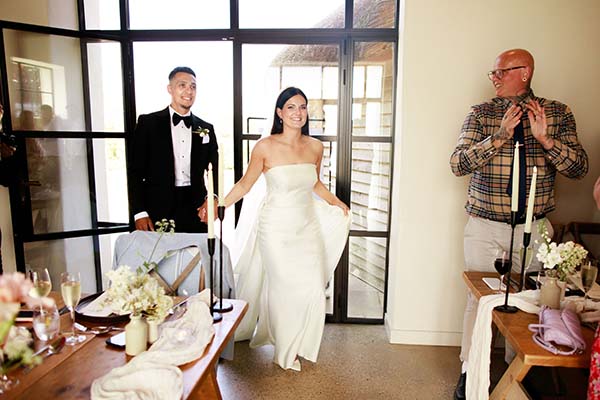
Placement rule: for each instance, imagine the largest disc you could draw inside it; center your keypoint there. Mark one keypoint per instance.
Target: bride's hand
(341, 205)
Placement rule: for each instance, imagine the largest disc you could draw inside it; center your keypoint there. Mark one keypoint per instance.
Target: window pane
(372, 81)
(370, 185)
(106, 86)
(179, 14)
(73, 255)
(44, 70)
(268, 69)
(374, 13)
(54, 13)
(366, 277)
(60, 198)
(308, 14)
(102, 14)
(213, 64)
(111, 180)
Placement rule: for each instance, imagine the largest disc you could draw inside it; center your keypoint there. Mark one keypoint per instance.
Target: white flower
(563, 257)
(136, 293)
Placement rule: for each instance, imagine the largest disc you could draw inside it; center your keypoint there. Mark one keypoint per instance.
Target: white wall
(446, 48)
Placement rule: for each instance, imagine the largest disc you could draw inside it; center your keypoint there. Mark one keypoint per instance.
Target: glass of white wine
(589, 273)
(70, 288)
(42, 285)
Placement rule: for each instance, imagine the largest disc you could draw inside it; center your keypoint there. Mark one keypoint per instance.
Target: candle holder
(526, 241)
(211, 251)
(221, 306)
(505, 308)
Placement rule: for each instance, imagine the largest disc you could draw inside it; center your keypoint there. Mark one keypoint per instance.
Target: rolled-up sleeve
(474, 148)
(567, 155)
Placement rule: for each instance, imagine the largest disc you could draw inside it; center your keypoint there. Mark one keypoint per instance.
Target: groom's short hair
(176, 70)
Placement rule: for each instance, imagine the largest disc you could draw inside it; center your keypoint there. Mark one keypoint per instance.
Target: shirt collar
(172, 111)
(521, 100)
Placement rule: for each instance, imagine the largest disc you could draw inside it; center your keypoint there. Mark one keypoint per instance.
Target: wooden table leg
(509, 386)
(208, 387)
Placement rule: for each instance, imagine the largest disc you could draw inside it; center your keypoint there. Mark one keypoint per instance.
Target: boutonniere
(201, 132)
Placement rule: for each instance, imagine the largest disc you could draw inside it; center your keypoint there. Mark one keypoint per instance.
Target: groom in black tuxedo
(169, 153)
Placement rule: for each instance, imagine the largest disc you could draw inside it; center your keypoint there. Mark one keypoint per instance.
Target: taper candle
(210, 204)
(220, 181)
(531, 201)
(514, 205)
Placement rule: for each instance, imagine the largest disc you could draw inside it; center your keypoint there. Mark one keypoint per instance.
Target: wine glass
(42, 285)
(502, 265)
(589, 273)
(46, 323)
(527, 253)
(70, 288)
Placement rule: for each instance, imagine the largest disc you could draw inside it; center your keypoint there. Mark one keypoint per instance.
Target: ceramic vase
(153, 325)
(136, 335)
(550, 293)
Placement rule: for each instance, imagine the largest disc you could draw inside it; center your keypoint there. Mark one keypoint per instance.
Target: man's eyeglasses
(499, 73)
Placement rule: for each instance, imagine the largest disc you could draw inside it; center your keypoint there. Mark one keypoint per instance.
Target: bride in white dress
(295, 242)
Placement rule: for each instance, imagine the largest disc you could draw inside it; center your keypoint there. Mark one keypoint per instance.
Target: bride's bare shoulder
(314, 144)
(263, 142)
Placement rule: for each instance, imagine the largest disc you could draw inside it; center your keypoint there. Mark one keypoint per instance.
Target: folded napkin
(592, 308)
(594, 292)
(478, 370)
(154, 373)
(96, 308)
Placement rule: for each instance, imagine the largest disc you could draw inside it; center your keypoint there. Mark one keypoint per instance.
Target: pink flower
(15, 287)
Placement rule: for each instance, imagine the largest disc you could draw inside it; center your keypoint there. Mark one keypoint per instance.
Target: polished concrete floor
(355, 362)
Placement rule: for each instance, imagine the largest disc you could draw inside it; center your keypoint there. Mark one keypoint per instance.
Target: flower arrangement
(561, 258)
(15, 341)
(137, 292)
(201, 132)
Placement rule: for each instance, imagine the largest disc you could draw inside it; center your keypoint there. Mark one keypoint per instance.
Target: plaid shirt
(491, 167)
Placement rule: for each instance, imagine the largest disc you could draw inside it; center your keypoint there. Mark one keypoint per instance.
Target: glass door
(68, 121)
(270, 68)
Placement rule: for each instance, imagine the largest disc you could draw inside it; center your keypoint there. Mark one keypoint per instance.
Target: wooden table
(69, 374)
(514, 327)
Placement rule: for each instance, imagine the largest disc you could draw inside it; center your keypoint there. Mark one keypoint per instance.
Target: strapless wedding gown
(291, 253)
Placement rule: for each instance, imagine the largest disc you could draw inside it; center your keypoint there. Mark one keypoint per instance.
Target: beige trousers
(482, 238)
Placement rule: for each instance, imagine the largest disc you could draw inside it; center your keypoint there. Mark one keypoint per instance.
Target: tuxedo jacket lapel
(164, 133)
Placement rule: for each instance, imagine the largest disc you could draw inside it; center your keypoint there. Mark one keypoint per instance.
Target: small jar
(136, 335)
(153, 325)
(550, 293)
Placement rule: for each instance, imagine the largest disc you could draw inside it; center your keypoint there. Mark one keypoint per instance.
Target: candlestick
(514, 205)
(505, 308)
(531, 201)
(221, 306)
(220, 176)
(211, 251)
(210, 204)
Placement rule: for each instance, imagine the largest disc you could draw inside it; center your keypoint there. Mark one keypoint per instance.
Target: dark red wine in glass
(502, 265)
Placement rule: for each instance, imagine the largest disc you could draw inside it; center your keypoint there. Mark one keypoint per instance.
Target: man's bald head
(516, 70)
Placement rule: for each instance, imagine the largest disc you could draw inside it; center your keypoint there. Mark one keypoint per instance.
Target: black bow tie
(178, 118)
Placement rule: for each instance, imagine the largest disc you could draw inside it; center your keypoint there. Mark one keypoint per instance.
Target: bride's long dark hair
(283, 97)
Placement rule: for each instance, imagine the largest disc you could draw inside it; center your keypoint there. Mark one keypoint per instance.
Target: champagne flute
(502, 265)
(589, 273)
(70, 288)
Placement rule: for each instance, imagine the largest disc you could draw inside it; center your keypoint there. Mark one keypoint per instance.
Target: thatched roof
(367, 14)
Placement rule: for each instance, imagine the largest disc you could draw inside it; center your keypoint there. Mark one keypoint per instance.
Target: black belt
(520, 220)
